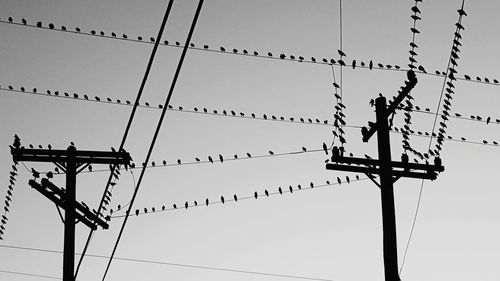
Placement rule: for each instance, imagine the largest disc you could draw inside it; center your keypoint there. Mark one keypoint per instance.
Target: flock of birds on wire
(10, 189)
(229, 113)
(339, 122)
(282, 56)
(233, 198)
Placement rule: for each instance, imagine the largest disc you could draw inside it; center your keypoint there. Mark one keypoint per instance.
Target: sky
(330, 232)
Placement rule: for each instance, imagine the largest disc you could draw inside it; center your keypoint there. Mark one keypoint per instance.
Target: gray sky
(332, 232)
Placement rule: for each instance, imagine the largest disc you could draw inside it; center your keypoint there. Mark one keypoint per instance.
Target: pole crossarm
(80, 156)
(428, 175)
(91, 216)
(59, 201)
(405, 91)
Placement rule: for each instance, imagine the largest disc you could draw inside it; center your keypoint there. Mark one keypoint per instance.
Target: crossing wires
(157, 131)
(132, 114)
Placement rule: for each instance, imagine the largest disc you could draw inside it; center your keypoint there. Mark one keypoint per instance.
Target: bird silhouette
(235, 156)
(206, 202)
(313, 59)
(24, 21)
(266, 192)
(290, 188)
(245, 52)
(249, 155)
(210, 159)
(222, 49)
(186, 205)
(280, 190)
(339, 181)
(325, 148)
(347, 179)
(415, 9)
(175, 206)
(461, 12)
(179, 161)
(304, 149)
(221, 158)
(255, 53)
(255, 194)
(196, 203)
(488, 120)
(136, 212)
(35, 173)
(341, 53)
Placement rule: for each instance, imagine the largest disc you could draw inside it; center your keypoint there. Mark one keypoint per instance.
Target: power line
(157, 130)
(235, 198)
(233, 113)
(29, 274)
(245, 53)
(451, 60)
(132, 114)
(173, 264)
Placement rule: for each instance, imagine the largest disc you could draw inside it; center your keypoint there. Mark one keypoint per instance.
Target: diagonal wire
(153, 141)
(173, 264)
(132, 114)
(430, 143)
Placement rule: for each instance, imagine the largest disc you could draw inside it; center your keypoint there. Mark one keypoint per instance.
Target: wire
(157, 131)
(195, 110)
(174, 264)
(430, 143)
(236, 198)
(132, 114)
(29, 274)
(245, 53)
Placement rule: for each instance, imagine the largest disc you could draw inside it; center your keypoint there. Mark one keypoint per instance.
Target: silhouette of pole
(387, 192)
(69, 216)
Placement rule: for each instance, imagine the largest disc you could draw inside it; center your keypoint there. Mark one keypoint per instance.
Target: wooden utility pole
(72, 162)
(388, 171)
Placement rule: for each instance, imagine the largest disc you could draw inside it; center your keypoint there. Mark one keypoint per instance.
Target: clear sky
(332, 232)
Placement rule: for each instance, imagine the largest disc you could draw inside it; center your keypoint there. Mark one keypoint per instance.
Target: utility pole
(71, 161)
(388, 171)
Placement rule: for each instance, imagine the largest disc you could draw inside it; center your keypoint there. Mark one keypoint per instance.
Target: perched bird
(186, 205)
(255, 194)
(271, 152)
(206, 202)
(266, 192)
(347, 179)
(179, 161)
(290, 188)
(221, 158)
(222, 49)
(280, 190)
(235, 198)
(222, 199)
(304, 149)
(249, 155)
(24, 21)
(210, 159)
(325, 148)
(339, 181)
(341, 53)
(136, 212)
(175, 206)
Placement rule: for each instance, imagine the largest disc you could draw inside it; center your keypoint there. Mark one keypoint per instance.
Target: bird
(271, 152)
(341, 53)
(222, 49)
(339, 181)
(235, 198)
(179, 161)
(24, 21)
(347, 179)
(39, 24)
(249, 155)
(290, 188)
(255, 194)
(222, 199)
(255, 53)
(175, 206)
(136, 212)
(371, 65)
(206, 202)
(186, 205)
(325, 148)
(164, 162)
(269, 54)
(280, 190)
(196, 203)
(304, 149)
(415, 9)
(488, 120)
(221, 158)
(210, 159)
(266, 192)
(461, 12)
(35, 173)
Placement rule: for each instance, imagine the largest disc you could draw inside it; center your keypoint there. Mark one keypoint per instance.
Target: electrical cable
(153, 141)
(132, 114)
(430, 144)
(175, 264)
(29, 274)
